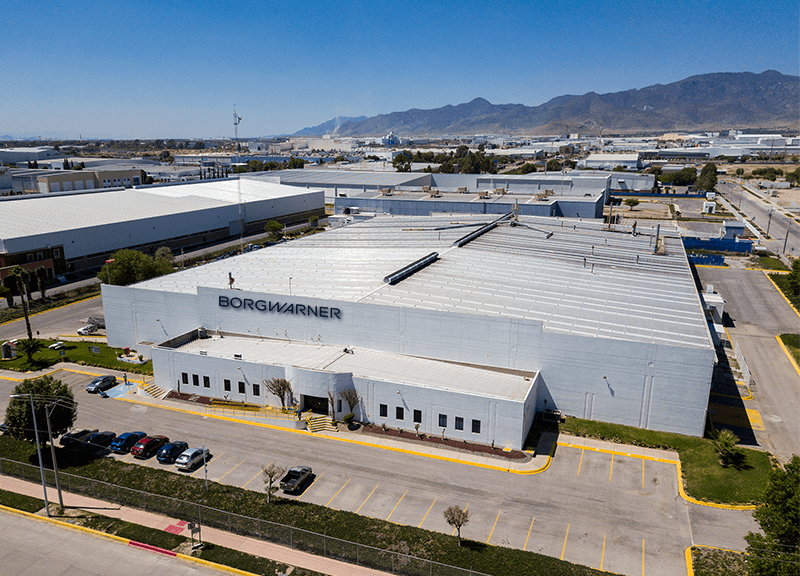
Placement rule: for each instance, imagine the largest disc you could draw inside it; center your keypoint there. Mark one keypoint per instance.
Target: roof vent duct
(480, 231)
(407, 271)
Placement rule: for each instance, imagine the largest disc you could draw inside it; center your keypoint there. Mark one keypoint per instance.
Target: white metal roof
(581, 280)
(34, 214)
(396, 368)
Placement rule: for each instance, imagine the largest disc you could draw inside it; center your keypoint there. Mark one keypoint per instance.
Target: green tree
(129, 266)
(165, 253)
(29, 347)
(793, 279)
(619, 168)
(739, 171)
(777, 551)
(553, 165)
(457, 518)
(708, 177)
(402, 163)
(296, 163)
(41, 280)
(274, 229)
(8, 295)
(19, 275)
(45, 390)
(632, 202)
(725, 445)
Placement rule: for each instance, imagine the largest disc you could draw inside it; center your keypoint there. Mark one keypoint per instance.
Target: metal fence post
(291, 537)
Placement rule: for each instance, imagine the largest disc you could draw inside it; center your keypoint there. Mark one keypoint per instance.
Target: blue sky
(169, 69)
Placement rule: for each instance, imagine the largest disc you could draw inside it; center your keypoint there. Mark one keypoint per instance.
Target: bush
(348, 418)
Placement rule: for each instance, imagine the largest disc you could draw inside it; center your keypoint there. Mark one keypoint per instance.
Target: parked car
(191, 458)
(73, 439)
(123, 443)
(101, 384)
(97, 441)
(295, 478)
(86, 330)
(148, 446)
(169, 452)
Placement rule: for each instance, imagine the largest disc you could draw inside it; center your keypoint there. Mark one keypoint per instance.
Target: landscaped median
(309, 520)
(94, 354)
(705, 479)
(153, 539)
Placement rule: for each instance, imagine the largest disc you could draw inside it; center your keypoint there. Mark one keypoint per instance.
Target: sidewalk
(241, 543)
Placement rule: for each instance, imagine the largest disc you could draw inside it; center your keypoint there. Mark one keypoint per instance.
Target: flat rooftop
(370, 364)
(33, 214)
(588, 195)
(575, 277)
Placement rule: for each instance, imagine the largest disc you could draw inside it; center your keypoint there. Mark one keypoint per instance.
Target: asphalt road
(30, 547)
(63, 321)
(758, 313)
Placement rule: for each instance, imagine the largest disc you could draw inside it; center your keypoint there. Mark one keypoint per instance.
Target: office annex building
(464, 325)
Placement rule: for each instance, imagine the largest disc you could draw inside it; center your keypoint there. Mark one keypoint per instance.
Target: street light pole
(788, 228)
(769, 220)
(53, 452)
(38, 449)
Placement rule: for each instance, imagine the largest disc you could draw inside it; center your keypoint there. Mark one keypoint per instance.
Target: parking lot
(602, 508)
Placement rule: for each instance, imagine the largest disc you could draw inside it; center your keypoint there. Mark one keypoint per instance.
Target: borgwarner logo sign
(279, 307)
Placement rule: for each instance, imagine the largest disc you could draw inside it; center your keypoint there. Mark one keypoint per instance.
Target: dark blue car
(170, 451)
(123, 443)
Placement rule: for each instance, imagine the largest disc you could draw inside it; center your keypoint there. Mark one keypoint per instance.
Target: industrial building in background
(464, 326)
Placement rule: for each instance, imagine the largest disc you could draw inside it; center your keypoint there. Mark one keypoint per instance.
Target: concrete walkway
(243, 544)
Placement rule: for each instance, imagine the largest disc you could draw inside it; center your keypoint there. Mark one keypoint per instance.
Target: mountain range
(718, 101)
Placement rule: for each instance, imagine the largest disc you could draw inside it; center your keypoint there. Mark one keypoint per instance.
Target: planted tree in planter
(351, 396)
(457, 518)
(270, 474)
(280, 387)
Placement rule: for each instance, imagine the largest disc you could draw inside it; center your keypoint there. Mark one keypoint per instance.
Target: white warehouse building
(461, 324)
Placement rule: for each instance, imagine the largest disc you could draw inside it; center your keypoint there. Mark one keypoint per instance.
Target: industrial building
(79, 229)
(466, 325)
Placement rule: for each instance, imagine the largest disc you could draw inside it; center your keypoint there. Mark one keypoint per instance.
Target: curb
(788, 354)
(789, 302)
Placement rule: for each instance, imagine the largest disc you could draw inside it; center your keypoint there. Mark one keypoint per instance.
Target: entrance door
(317, 404)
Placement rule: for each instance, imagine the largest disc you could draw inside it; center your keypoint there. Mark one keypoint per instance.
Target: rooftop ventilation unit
(407, 271)
(386, 192)
(237, 356)
(203, 352)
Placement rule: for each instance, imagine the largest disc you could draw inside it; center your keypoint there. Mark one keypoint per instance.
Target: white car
(191, 458)
(86, 330)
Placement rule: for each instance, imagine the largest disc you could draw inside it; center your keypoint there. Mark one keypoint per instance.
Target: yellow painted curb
(219, 566)
(788, 355)
(348, 440)
(709, 266)
(80, 336)
(619, 453)
(689, 563)
(49, 309)
(782, 294)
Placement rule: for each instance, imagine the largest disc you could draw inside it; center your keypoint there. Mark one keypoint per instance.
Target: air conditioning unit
(237, 356)
(203, 352)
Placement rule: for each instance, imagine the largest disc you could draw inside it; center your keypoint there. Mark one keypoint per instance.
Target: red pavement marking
(182, 523)
(152, 548)
(174, 529)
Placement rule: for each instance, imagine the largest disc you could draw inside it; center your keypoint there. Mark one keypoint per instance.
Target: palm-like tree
(20, 274)
(29, 347)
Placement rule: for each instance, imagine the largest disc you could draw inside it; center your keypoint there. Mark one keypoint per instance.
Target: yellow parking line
(229, 471)
(493, 526)
(642, 556)
(754, 416)
(603, 552)
(396, 505)
(426, 513)
(251, 479)
(611, 470)
(367, 498)
(642, 474)
(453, 533)
(525, 547)
(337, 492)
(563, 548)
(206, 463)
(581, 462)
(310, 485)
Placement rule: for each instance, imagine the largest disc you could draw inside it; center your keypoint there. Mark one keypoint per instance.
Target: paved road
(758, 313)
(33, 547)
(59, 321)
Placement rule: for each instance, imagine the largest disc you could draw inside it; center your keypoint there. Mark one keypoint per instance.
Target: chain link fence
(297, 538)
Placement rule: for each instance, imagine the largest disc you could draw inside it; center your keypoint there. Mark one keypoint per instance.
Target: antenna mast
(236, 120)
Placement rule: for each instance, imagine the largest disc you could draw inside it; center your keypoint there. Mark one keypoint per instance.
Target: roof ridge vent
(407, 271)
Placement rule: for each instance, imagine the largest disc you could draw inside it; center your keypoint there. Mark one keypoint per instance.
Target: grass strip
(129, 530)
(343, 525)
(768, 263)
(79, 353)
(715, 562)
(792, 343)
(704, 478)
(782, 281)
(247, 562)
(21, 501)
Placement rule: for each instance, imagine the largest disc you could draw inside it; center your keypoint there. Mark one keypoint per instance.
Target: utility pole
(53, 451)
(38, 449)
(769, 220)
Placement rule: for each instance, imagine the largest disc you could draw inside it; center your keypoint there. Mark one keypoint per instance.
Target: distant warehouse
(68, 231)
(465, 325)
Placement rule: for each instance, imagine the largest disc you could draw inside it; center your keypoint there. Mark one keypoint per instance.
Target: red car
(148, 446)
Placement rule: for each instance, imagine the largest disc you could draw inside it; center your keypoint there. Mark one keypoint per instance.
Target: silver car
(191, 458)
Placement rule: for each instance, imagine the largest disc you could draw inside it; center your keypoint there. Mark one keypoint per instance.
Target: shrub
(348, 418)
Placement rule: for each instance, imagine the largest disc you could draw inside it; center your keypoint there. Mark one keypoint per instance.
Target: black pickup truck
(295, 478)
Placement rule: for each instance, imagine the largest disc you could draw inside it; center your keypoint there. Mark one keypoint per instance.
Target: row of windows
(41, 256)
(399, 414)
(226, 384)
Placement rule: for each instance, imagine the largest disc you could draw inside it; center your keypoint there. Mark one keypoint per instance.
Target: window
(185, 378)
(30, 257)
(206, 382)
(339, 405)
(459, 423)
(136, 181)
(39, 256)
(442, 420)
(56, 252)
(241, 387)
(384, 410)
(256, 390)
(418, 416)
(476, 426)
(195, 380)
(399, 413)
(227, 384)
